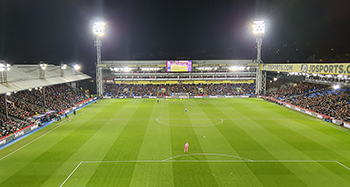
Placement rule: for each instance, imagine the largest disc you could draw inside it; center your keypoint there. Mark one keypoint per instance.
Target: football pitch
(232, 142)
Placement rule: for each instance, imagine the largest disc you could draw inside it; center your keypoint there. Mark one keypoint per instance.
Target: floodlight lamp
(258, 27)
(64, 66)
(43, 66)
(76, 67)
(4, 67)
(337, 86)
(126, 69)
(99, 28)
(237, 68)
(8, 93)
(275, 79)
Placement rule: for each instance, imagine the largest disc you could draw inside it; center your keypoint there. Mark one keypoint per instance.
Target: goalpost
(182, 95)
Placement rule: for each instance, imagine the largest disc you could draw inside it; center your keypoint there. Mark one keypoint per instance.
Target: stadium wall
(309, 112)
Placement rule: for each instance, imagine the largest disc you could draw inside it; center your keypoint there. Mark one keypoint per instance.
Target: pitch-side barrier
(309, 112)
(155, 97)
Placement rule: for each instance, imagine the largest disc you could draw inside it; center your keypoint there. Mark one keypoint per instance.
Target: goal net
(182, 95)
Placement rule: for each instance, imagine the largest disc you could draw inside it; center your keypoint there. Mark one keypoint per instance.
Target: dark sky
(61, 30)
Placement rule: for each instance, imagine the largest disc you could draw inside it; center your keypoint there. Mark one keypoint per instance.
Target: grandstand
(32, 94)
(207, 78)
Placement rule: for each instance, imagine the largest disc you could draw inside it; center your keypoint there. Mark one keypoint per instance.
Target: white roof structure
(23, 77)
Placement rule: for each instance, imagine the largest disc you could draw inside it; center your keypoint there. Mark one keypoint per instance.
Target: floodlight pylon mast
(98, 30)
(259, 31)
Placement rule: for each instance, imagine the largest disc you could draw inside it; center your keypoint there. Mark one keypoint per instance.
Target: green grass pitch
(232, 142)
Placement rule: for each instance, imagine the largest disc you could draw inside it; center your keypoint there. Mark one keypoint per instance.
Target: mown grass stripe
(126, 146)
(183, 174)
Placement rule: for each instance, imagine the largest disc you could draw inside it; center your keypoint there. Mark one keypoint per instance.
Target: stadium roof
(23, 77)
(136, 63)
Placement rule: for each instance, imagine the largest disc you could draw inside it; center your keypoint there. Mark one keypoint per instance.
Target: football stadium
(176, 122)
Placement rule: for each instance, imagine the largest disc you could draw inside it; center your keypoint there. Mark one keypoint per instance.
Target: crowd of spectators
(224, 89)
(144, 90)
(228, 89)
(318, 98)
(25, 104)
(292, 91)
(111, 89)
(9, 126)
(182, 88)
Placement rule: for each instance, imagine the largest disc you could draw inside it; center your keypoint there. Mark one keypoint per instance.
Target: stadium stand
(218, 89)
(24, 95)
(25, 104)
(317, 98)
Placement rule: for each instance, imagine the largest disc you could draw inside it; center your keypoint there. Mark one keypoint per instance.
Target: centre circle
(190, 120)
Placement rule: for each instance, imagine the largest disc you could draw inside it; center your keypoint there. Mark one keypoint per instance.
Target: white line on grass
(343, 165)
(71, 174)
(62, 123)
(169, 160)
(134, 101)
(209, 154)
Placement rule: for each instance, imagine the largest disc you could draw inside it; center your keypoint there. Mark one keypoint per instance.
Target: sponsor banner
(34, 127)
(137, 97)
(347, 125)
(213, 96)
(338, 68)
(244, 96)
(153, 97)
(2, 142)
(307, 112)
(320, 116)
(121, 97)
(20, 133)
(228, 96)
(198, 96)
(288, 106)
(80, 105)
(298, 109)
(107, 97)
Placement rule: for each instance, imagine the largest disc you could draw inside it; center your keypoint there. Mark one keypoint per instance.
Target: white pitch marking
(62, 123)
(134, 101)
(343, 165)
(244, 160)
(210, 154)
(71, 173)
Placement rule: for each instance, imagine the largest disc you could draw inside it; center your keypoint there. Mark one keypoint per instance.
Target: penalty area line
(70, 174)
(343, 165)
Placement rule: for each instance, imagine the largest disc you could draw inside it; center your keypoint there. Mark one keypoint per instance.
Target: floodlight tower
(259, 31)
(4, 68)
(98, 30)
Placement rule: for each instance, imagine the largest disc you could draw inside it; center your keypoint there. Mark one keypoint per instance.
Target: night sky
(57, 31)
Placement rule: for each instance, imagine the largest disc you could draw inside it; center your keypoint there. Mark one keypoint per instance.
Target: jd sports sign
(336, 69)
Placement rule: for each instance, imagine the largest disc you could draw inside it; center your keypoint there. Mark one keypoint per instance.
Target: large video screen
(179, 65)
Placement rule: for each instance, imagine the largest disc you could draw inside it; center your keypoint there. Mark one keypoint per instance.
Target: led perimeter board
(179, 65)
